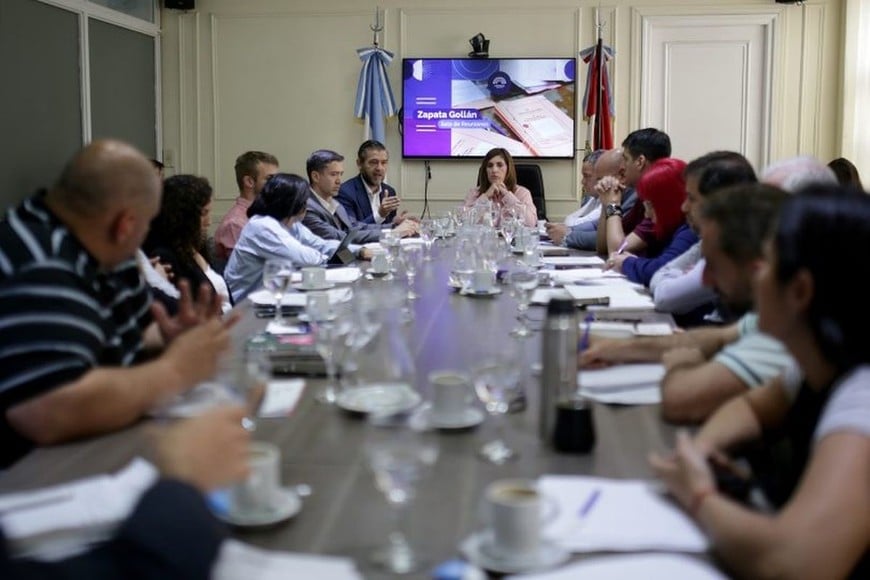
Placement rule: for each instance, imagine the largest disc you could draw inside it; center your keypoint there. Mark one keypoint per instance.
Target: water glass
(277, 275)
(523, 283)
(497, 383)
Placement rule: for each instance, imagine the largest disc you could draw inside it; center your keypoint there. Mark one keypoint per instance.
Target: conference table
(321, 445)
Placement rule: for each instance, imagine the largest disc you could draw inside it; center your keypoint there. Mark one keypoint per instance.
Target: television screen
(463, 107)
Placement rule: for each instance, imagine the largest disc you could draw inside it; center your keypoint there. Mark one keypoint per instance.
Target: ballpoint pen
(622, 246)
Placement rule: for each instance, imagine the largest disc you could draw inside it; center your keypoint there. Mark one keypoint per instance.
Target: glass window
(143, 9)
(123, 101)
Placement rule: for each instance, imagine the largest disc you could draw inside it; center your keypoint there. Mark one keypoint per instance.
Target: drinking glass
(410, 255)
(427, 234)
(331, 329)
(523, 282)
(391, 241)
(530, 241)
(399, 453)
(277, 275)
(508, 227)
(497, 383)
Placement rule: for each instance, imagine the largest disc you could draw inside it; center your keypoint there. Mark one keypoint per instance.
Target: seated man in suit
(366, 197)
(76, 313)
(325, 216)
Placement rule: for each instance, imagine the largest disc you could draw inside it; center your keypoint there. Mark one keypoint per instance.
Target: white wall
(281, 76)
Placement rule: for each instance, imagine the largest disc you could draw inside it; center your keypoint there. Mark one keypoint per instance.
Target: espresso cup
(313, 277)
(481, 281)
(451, 393)
(259, 491)
(516, 511)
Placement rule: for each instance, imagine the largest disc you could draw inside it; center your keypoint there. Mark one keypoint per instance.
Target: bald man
(76, 315)
(583, 236)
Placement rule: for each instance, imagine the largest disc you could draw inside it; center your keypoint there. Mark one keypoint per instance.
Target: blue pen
(590, 502)
(584, 340)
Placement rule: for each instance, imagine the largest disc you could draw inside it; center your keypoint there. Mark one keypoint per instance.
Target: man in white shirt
(591, 207)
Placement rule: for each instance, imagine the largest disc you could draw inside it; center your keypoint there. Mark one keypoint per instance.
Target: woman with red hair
(662, 189)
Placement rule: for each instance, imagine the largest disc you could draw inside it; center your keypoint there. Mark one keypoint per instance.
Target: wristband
(698, 500)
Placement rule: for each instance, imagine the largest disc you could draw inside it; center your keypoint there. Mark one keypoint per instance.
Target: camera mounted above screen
(479, 46)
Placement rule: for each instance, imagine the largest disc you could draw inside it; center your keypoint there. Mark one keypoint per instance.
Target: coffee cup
(451, 393)
(481, 281)
(313, 277)
(259, 491)
(516, 511)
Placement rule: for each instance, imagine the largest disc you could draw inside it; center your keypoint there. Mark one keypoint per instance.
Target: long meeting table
(321, 446)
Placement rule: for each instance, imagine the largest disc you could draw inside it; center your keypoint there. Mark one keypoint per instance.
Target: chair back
(529, 176)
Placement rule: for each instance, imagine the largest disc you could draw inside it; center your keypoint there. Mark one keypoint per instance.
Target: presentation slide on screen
(465, 107)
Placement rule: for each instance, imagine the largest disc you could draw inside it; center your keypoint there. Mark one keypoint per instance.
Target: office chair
(529, 176)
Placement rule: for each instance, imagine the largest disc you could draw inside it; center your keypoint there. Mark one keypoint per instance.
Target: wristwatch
(612, 209)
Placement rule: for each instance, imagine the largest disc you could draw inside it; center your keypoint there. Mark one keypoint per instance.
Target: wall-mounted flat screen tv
(463, 107)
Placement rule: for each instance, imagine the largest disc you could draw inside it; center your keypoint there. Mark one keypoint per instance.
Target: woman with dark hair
(814, 420)
(846, 172)
(178, 233)
(497, 182)
(275, 230)
(662, 188)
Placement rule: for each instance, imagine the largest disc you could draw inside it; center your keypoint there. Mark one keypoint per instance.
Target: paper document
(579, 275)
(629, 384)
(62, 520)
(621, 298)
(633, 566)
(578, 261)
(281, 397)
(344, 275)
(266, 298)
(544, 295)
(626, 516)
(238, 561)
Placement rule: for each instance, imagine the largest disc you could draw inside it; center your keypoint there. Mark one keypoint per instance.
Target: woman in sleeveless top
(815, 420)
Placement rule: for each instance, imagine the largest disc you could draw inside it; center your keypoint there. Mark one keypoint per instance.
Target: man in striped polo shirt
(76, 316)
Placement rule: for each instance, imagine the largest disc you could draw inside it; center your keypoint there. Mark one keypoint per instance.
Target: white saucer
(287, 505)
(378, 275)
(388, 399)
(470, 417)
(303, 288)
(478, 549)
(494, 291)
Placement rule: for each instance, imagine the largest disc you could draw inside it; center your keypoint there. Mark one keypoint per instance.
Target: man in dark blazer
(366, 197)
(327, 218)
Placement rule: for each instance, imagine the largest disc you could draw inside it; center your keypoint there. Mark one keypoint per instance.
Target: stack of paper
(629, 384)
(634, 566)
(584, 275)
(238, 561)
(63, 520)
(573, 261)
(544, 295)
(597, 514)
